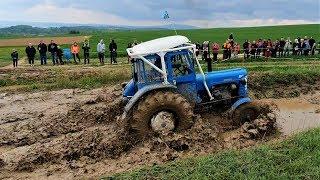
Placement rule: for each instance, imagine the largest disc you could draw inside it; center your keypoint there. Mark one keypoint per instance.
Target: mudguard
(141, 93)
(239, 103)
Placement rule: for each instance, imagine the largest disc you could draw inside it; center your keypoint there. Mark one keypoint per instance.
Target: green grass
(267, 74)
(5, 54)
(298, 157)
(214, 35)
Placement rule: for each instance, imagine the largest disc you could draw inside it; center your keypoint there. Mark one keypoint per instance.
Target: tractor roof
(159, 45)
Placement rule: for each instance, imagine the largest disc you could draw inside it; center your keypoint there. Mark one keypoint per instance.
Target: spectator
(282, 43)
(236, 50)
(215, 51)
(260, 47)
(312, 43)
(205, 46)
(15, 58)
(226, 50)
(268, 50)
(31, 53)
(75, 49)
(197, 49)
(53, 48)
(246, 49)
(113, 52)
(60, 55)
(42, 48)
(101, 48)
(306, 47)
(253, 49)
(86, 51)
(287, 47)
(231, 40)
(295, 47)
(275, 49)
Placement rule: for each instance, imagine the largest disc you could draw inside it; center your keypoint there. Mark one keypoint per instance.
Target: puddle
(296, 115)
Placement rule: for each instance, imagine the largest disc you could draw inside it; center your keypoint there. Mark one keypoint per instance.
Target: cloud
(201, 13)
(71, 14)
(244, 22)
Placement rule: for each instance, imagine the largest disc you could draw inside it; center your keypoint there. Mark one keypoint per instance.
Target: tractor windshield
(182, 64)
(145, 74)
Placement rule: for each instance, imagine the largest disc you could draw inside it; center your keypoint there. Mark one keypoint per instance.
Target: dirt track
(74, 133)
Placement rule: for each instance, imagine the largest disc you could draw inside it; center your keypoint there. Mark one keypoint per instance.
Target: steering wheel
(178, 69)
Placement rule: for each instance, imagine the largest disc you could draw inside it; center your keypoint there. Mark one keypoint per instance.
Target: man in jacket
(86, 51)
(312, 44)
(53, 49)
(31, 53)
(42, 48)
(282, 43)
(113, 51)
(60, 55)
(101, 48)
(75, 49)
(246, 49)
(15, 58)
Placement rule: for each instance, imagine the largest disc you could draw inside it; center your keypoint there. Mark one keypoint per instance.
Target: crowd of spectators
(265, 48)
(57, 54)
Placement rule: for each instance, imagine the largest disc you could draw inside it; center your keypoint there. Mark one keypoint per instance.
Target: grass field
(198, 35)
(93, 76)
(294, 158)
(214, 35)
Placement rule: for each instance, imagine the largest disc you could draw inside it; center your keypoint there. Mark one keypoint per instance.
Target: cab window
(181, 64)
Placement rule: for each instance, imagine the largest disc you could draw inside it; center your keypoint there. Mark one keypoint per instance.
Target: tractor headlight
(244, 80)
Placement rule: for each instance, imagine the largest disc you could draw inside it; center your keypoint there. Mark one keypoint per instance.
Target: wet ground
(298, 114)
(71, 134)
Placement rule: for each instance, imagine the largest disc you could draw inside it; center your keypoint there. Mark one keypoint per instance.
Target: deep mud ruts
(75, 133)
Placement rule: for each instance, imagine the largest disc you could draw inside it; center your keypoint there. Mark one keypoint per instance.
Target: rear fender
(142, 92)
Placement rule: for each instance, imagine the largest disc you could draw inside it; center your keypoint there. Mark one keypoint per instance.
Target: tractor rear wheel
(161, 112)
(245, 113)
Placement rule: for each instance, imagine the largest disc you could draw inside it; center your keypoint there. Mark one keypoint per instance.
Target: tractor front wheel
(245, 113)
(161, 112)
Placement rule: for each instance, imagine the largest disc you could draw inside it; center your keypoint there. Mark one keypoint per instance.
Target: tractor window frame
(147, 74)
(185, 57)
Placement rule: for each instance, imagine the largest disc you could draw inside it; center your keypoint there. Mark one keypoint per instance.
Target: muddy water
(298, 114)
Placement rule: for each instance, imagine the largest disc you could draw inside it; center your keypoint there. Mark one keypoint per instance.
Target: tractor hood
(221, 77)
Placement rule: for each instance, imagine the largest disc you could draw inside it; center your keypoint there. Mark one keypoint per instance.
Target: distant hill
(6, 28)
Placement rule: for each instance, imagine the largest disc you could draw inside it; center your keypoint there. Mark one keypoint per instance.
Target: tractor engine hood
(221, 77)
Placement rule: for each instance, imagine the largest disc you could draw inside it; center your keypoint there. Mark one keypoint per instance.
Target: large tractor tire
(162, 110)
(245, 113)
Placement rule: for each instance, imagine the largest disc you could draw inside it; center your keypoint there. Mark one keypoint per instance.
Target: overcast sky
(201, 13)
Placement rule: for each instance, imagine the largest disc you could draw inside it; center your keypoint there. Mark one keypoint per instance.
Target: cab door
(181, 72)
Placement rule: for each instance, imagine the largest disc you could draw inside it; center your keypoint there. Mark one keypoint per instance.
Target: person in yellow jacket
(75, 49)
(226, 50)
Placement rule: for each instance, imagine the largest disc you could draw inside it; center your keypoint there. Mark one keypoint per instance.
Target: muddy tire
(157, 102)
(245, 113)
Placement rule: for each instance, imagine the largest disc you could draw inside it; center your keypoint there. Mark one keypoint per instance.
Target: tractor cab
(180, 71)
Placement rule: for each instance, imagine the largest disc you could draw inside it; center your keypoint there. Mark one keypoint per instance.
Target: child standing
(15, 57)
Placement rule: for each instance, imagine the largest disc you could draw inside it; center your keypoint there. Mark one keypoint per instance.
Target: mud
(71, 134)
(298, 114)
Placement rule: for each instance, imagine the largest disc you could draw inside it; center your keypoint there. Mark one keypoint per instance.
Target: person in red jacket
(215, 51)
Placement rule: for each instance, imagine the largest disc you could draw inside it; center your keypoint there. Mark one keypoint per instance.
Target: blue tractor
(165, 88)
